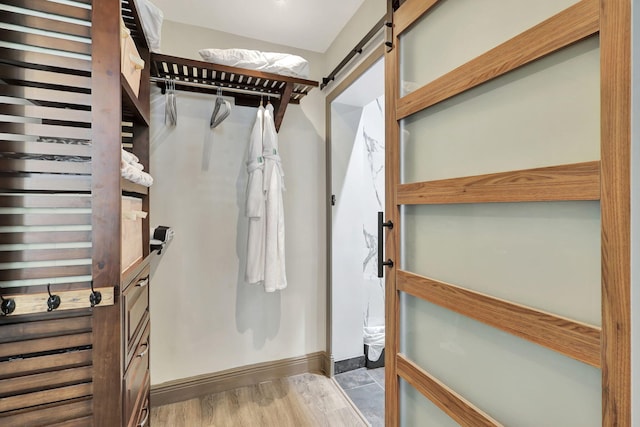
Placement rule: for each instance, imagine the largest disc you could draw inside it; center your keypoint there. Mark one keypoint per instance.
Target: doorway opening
(356, 130)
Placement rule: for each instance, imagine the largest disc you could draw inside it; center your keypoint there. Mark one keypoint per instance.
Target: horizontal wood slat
(52, 8)
(11, 403)
(45, 131)
(33, 365)
(46, 237)
(50, 96)
(410, 11)
(69, 300)
(45, 182)
(45, 219)
(49, 148)
(45, 60)
(580, 181)
(45, 166)
(45, 24)
(45, 380)
(44, 273)
(45, 42)
(45, 255)
(78, 422)
(450, 402)
(28, 330)
(42, 77)
(46, 113)
(44, 344)
(47, 416)
(569, 26)
(574, 339)
(44, 201)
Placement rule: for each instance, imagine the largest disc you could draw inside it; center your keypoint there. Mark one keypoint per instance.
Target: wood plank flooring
(302, 400)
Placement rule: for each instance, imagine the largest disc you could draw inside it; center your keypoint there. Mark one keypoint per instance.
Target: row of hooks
(8, 306)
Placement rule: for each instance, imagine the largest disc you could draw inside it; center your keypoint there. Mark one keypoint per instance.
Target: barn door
(507, 168)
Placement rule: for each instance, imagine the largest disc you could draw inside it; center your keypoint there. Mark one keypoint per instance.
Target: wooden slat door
(508, 153)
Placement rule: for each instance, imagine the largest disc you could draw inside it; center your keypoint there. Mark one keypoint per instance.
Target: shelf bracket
(282, 104)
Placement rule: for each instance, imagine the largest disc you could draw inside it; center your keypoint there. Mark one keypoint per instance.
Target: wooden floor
(298, 401)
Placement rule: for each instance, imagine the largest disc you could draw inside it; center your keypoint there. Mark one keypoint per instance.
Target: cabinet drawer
(136, 303)
(141, 416)
(136, 381)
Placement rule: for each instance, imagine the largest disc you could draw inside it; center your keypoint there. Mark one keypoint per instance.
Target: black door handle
(381, 225)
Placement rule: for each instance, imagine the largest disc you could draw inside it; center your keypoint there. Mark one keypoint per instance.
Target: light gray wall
(358, 26)
(205, 318)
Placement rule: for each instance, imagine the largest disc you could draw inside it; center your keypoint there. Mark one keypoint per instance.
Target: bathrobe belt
(255, 164)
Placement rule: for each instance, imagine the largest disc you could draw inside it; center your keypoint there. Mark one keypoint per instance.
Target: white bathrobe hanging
(255, 207)
(274, 274)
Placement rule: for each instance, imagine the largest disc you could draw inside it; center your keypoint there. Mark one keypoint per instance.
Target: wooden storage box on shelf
(131, 236)
(131, 64)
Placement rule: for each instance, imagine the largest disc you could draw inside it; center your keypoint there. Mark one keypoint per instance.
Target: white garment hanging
(274, 273)
(255, 206)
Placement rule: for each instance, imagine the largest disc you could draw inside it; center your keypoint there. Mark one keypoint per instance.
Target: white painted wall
(205, 318)
(364, 19)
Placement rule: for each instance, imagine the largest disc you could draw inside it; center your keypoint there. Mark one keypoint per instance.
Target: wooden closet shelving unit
(248, 87)
(64, 104)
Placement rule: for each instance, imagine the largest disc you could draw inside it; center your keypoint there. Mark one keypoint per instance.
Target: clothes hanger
(221, 110)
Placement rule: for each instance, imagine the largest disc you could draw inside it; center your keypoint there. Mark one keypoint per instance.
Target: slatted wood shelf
(254, 84)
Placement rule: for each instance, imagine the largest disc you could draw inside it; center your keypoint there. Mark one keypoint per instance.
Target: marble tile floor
(365, 388)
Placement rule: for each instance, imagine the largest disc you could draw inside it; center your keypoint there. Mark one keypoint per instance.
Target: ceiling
(304, 24)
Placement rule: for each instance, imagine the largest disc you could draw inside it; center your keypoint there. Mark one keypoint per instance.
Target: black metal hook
(95, 297)
(7, 306)
(53, 301)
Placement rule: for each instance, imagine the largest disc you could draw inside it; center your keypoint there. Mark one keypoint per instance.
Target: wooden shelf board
(131, 104)
(133, 188)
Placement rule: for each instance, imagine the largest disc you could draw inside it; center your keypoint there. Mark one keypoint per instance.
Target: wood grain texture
(45, 237)
(49, 415)
(410, 12)
(44, 201)
(106, 205)
(46, 363)
(70, 300)
(30, 21)
(45, 380)
(45, 166)
(50, 96)
(450, 402)
(45, 219)
(21, 57)
(574, 339)
(22, 329)
(616, 77)
(47, 182)
(579, 181)
(44, 344)
(43, 397)
(305, 400)
(52, 8)
(39, 112)
(30, 39)
(573, 24)
(28, 147)
(75, 83)
(392, 237)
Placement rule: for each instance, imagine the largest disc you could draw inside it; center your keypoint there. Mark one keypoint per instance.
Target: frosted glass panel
(514, 381)
(544, 255)
(546, 113)
(456, 31)
(418, 411)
